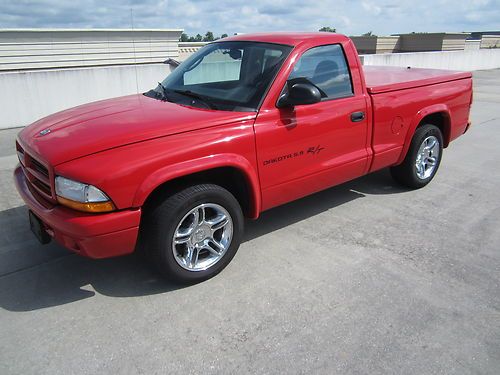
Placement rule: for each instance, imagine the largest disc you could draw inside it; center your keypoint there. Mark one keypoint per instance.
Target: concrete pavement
(364, 278)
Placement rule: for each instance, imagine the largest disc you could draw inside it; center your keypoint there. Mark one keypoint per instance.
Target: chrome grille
(37, 174)
(40, 168)
(20, 153)
(42, 186)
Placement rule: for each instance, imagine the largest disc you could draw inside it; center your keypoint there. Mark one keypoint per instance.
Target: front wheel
(193, 234)
(422, 159)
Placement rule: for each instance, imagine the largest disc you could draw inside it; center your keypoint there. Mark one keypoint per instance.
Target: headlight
(82, 197)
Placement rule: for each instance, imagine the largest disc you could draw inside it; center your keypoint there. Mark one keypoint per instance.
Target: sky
(352, 17)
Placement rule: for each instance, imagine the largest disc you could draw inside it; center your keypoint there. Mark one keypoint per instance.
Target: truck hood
(106, 124)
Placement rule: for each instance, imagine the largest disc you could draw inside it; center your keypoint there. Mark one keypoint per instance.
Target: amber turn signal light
(92, 207)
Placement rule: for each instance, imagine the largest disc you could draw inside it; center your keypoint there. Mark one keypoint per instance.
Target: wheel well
(230, 178)
(442, 121)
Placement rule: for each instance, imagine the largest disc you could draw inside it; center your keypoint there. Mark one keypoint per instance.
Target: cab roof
(289, 38)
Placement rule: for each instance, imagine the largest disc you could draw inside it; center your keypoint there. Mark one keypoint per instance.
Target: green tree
(328, 29)
(209, 37)
(369, 33)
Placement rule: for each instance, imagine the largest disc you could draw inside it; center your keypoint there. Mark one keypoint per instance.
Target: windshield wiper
(163, 92)
(194, 95)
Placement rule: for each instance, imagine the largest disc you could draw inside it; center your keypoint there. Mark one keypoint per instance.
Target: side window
(326, 67)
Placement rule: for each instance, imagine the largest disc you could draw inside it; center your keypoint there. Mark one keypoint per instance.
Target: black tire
(163, 217)
(406, 172)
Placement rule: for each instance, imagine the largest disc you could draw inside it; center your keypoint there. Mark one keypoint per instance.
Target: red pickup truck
(245, 124)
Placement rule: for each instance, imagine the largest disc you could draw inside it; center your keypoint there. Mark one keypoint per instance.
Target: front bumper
(91, 235)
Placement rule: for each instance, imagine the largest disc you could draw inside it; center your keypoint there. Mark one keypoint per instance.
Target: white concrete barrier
(29, 49)
(452, 60)
(26, 96)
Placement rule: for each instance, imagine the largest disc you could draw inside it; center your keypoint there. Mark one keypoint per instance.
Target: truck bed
(381, 79)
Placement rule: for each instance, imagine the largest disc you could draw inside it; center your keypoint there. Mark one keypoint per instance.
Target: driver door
(308, 148)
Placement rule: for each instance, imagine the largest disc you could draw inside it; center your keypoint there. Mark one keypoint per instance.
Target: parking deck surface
(365, 277)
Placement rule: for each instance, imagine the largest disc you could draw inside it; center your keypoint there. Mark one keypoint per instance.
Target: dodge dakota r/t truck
(245, 124)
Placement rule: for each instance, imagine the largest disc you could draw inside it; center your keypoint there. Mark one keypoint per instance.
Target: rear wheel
(422, 159)
(192, 235)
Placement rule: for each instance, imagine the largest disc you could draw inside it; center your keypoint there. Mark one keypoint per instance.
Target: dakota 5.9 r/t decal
(310, 150)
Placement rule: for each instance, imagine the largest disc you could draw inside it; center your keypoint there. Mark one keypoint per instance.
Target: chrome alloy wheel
(427, 157)
(202, 237)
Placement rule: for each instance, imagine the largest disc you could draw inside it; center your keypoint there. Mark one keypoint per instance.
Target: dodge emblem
(44, 132)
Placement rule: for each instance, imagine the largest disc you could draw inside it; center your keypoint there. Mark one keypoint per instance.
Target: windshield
(230, 76)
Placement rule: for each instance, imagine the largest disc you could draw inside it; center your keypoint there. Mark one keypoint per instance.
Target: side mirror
(173, 64)
(299, 93)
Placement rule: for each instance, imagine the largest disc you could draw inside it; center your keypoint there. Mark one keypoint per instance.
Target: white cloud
(371, 8)
(346, 21)
(228, 16)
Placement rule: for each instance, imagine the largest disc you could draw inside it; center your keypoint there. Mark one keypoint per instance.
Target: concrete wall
(388, 44)
(43, 71)
(490, 41)
(453, 60)
(365, 44)
(376, 44)
(472, 44)
(45, 48)
(454, 42)
(29, 93)
(432, 42)
(186, 49)
(28, 96)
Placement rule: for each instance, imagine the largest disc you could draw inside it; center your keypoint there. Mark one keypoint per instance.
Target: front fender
(173, 171)
(419, 116)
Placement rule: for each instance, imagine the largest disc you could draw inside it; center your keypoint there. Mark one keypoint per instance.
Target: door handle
(357, 116)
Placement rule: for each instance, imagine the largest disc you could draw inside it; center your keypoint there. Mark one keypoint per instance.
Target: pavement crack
(35, 265)
(490, 120)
